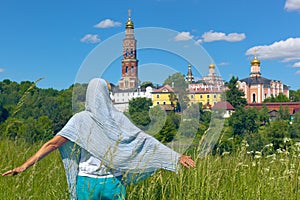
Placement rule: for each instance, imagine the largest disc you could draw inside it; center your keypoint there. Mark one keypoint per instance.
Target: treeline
(32, 113)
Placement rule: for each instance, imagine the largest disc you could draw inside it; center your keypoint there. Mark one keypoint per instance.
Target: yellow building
(163, 96)
(205, 97)
(208, 90)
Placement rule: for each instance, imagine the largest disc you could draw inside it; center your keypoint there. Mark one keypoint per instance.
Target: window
(207, 96)
(200, 96)
(215, 96)
(157, 96)
(157, 103)
(192, 96)
(253, 98)
(164, 103)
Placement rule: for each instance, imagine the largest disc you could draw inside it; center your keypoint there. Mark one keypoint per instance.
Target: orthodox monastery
(257, 88)
(207, 91)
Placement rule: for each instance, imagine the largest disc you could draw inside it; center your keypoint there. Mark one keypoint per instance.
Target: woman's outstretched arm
(47, 148)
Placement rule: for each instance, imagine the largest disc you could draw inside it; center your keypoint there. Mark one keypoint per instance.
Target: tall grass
(45, 180)
(239, 176)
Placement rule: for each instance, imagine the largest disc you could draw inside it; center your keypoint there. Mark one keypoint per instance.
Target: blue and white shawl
(109, 135)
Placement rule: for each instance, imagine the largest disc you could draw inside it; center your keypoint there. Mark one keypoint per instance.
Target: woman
(102, 150)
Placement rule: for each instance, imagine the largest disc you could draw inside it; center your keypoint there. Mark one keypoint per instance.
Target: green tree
(263, 115)
(139, 111)
(296, 126)
(3, 113)
(279, 98)
(279, 134)
(146, 84)
(168, 132)
(244, 121)
(180, 88)
(158, 118)
(234, 95)
(284, 113)
(295, 95)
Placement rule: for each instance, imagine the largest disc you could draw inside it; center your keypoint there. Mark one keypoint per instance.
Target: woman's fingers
(8, 172)
(187, 161)
(12, 172)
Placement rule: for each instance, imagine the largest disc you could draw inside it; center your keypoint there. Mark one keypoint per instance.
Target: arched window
(132, 70)
(126, 69)
(253, 98)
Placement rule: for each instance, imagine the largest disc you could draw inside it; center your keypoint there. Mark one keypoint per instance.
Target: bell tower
(255, 67)
(129, 79)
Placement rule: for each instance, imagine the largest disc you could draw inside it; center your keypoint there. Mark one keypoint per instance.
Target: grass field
(239, 176)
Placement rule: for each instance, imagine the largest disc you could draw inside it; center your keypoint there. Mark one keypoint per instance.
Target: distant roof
(259, 80)
(223, 105)
(116, 89)
(165, 87)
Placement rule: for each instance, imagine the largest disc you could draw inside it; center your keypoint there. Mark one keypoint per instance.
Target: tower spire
(129, 78)
(189, 77)
(129, 23)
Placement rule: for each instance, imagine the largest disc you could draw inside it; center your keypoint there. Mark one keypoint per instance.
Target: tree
(279, 98)
(180, 88)
(168, 132)
(263, 115)
(284, 113)
(244, 121)
(234, 95)
(296, 126)
(3, 113)
(295, 95)
(146, 84)
(139, 111)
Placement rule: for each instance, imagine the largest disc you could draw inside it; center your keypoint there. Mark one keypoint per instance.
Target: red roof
(165, 87)
(223, 105)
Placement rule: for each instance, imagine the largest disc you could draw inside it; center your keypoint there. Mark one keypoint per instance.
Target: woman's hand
(14, 171)
(186, 161)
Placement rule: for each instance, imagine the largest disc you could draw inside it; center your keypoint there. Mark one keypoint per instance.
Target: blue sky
(53, 39)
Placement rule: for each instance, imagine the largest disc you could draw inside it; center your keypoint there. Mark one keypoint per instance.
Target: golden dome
(211, 66)
(129, 23)
(255, 61)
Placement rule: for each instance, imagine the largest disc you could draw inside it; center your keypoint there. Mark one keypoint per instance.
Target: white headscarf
(109, 135)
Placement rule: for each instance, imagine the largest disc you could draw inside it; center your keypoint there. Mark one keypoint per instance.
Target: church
(257, 88)
(129, 84)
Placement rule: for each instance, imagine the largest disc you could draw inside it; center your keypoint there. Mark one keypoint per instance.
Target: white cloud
(183, 36)
(285, 50)
(297, 64)
(107, 23)
(89, 38)
(297, 72)
(1, 70)
(198, 42)
(223, 64)
(212, 36)
(292, 5)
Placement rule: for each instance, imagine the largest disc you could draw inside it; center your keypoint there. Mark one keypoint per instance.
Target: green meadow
(229, 176)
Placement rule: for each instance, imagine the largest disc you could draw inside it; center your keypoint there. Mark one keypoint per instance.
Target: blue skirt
(100, 188)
